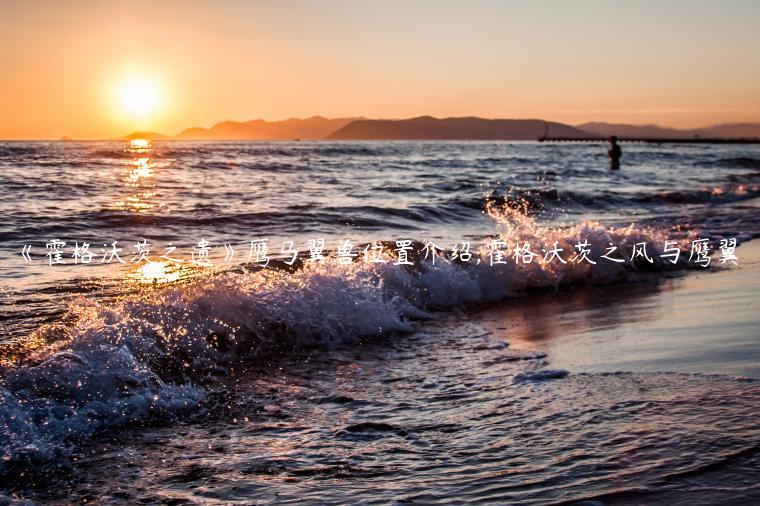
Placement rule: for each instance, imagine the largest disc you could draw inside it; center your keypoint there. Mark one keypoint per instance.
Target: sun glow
(139, 145)
(138, 97)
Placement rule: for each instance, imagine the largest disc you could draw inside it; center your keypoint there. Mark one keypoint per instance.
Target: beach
(516, 379)
(700, 322)
(364, 253)
(560, 399)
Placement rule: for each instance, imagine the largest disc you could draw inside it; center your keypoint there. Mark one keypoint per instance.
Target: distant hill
(151, 136)
(737, 130)
(430, 128)
(470, 128)
(623, 130)
(312, 128)
(729, 130)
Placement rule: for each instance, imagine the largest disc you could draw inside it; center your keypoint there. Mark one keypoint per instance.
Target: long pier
(655, 140)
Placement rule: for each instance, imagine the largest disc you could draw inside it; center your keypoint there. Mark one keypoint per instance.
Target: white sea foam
(147, 357)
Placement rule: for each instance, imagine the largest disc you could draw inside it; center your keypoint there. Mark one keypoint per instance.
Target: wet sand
(706, 322)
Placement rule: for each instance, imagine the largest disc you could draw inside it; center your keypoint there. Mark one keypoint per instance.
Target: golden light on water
(142, 168)
(155, 272)
(138, 180)
(139, 144)
(160, 272)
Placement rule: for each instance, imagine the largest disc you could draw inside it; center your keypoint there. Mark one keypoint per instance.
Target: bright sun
(138, 97)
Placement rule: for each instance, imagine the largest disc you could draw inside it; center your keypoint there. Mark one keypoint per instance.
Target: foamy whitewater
(368, 382)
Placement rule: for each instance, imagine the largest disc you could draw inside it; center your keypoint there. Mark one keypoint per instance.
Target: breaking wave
(154, 356)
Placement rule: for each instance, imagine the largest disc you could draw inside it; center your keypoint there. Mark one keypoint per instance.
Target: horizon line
(66, 138)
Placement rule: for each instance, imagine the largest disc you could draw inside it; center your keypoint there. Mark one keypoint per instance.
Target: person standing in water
(614, 153)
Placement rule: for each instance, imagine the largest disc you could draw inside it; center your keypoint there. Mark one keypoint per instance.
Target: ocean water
(158, 381)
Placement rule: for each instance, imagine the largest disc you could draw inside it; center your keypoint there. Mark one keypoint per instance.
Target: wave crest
(151, 356)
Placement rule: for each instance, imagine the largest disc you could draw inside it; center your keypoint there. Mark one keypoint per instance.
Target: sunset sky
(104, 69)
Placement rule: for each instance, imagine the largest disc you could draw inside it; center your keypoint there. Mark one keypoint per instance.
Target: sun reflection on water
(157, 272)
(139, 144)
(139, 178)
(142, 168)
(154, 272)
(160, 272)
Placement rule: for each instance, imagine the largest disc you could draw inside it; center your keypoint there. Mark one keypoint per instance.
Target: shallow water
(370, 382)
(179, 192)
(704, 322)
(441, 417)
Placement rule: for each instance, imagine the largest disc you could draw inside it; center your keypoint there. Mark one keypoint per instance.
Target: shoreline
(697, 322)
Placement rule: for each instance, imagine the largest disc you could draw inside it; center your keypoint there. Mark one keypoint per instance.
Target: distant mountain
(470, 128)
(150, 136)
(312, 128)
(729, 130)
(623, 130)
(429, 128)
(736, 130)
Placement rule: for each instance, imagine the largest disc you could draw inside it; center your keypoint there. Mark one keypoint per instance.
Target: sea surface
(194, 372)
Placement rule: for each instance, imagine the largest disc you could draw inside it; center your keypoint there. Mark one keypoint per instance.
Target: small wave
(718, 194)
(540, 375)
(744, 162)
(340, 150)
(532, 201)
(120, 153)
(12, 152)
(491, 162)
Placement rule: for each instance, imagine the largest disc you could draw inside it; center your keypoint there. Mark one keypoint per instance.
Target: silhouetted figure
(614, 153)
